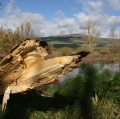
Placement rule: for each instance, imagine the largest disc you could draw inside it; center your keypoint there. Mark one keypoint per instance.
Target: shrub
(103, 50)
(115, 49)
(66, 51)
(51, 47)
(78, 50)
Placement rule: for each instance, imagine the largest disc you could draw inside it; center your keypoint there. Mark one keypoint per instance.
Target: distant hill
(72, 40)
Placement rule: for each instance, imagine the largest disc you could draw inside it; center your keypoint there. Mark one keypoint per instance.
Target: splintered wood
(25, 68)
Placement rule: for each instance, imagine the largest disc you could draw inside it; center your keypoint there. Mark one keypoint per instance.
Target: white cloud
(99, 5)
(92, 6)
(114, 4)
(60, 25)
(11, 8)
(13, 21)
(103, 21)
(64, 23)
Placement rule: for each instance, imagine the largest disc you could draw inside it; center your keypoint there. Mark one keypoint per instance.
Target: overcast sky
(59, 17)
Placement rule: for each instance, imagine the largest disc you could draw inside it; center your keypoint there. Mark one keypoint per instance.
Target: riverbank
(107, 58)
(91, 58)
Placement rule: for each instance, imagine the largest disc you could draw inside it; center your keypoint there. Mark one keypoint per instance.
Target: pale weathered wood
(25, 68)
(21, 57)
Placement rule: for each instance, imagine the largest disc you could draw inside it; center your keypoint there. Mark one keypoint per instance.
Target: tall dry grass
(107, 58)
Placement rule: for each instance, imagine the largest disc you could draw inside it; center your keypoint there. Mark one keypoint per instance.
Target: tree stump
(25, 68)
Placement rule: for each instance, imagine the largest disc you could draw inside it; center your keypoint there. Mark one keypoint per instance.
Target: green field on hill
(73, 41)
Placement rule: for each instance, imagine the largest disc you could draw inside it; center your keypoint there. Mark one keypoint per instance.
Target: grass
(74, 46)
(91, 95)
(33, 106)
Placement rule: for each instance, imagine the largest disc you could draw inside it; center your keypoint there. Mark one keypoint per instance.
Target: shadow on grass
(75, 91)
(74, 97)
(21, 106)
(90, 74)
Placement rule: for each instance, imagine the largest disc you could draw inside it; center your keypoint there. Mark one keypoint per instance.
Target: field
(73, 41)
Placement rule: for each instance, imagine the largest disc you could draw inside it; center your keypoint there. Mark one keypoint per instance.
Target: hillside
(72, 40)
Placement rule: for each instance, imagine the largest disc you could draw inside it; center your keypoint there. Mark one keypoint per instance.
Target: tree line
(8, 38)
(92, 32)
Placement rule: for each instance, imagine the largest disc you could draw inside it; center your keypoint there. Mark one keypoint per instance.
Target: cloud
(13, 21)
(65, 23)
(103, 21)
(61, 27)
(12, 8)
(99, 5)
(61, 24)
(42, 27)
(114, 4)
(92, 6)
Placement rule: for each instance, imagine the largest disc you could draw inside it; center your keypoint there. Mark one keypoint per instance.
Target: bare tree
(91, 34)
(8, 38)
(1, 32)
(32, 34)
(113, 32)
(119, 34)
(112, 36)
(17, 36)
(27, 29)
(22, 31)
(114, 40)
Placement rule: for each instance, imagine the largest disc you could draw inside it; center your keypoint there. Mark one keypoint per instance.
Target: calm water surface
(113, 67)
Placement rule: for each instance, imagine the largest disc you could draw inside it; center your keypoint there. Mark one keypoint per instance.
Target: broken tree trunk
(25, 68)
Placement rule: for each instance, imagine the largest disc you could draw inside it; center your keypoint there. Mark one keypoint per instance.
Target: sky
(60, 17)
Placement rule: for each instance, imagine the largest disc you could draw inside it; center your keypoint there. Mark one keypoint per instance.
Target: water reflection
(113, 67)
(74, 73)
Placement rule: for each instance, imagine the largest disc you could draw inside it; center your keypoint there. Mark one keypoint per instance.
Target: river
(113, 67)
